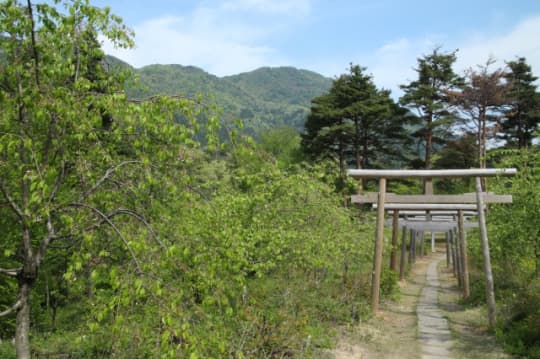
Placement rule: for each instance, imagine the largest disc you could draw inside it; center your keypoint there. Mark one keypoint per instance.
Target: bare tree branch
(34, 45)
(50, 135)
(12, 272)
(58, 182)
(104, 178)
(113, 226)
(11, 309)
(130, 213)
(49, 237)
(11, 201)
(156, 97)
(141, 219)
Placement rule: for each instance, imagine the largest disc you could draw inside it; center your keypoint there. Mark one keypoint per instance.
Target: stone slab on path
(433, 331)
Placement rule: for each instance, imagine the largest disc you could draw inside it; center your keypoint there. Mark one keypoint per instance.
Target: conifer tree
(429, 96)
(354, 121)
(522, 115)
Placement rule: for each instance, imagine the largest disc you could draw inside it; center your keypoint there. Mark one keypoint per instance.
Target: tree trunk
(428, 182)
(358, 160)
(22, 331)
(342, 173)
(482, 153)
(521, 139)
(364, 158)
(403, 252)
(429, 140)
(357, 145)
(26, 279)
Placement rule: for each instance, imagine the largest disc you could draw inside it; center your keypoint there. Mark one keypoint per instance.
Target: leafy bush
(515, 242)
(7, 350)
(389, 282)
(266, 260)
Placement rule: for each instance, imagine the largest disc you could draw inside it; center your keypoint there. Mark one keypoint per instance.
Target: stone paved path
(433, 331)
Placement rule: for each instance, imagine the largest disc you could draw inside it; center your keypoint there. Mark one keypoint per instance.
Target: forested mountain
(262, 99)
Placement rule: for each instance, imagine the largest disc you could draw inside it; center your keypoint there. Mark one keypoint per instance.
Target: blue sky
(386, 36)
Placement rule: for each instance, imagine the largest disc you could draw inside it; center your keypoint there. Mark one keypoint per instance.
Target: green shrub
(389, 283)
(7, 350)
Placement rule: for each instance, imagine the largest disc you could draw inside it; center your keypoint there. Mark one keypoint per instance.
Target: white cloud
(392, 64)
(287, 7)
(521, 41)
(221, 39)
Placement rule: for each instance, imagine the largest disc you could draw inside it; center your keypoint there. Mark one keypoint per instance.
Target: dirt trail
(452, 331)
(433, 331)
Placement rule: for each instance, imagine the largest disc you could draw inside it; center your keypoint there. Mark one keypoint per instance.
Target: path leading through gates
(433, 331)
(415, 325)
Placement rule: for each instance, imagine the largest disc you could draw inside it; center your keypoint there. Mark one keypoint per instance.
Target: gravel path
(433, 332)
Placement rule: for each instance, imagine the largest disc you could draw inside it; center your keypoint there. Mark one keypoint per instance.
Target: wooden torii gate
(453, 223)
(450, 225)
(431, 202)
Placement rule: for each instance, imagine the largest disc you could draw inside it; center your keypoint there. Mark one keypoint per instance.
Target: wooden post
(428, 185)
(395, 228)
(490, 293)
(463, 249)
(403, 252)
(422, 242)
(411, 246)
(447, 237)
(458, 260)
(377, 260)
(453, 248)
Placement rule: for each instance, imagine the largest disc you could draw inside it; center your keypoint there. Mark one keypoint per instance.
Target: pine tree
(522, 116)
(355, 122)
(429, 95)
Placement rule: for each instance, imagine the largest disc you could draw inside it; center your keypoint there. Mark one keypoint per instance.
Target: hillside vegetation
(264, 98)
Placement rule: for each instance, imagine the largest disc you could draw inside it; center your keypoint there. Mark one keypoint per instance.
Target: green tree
(522, 115)
(62, 178)
(327, 132)
(456, 153)
(429, 95)
(355, 121)
(283, 144)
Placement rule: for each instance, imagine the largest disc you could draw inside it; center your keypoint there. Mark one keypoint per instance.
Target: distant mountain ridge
(268, 97)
